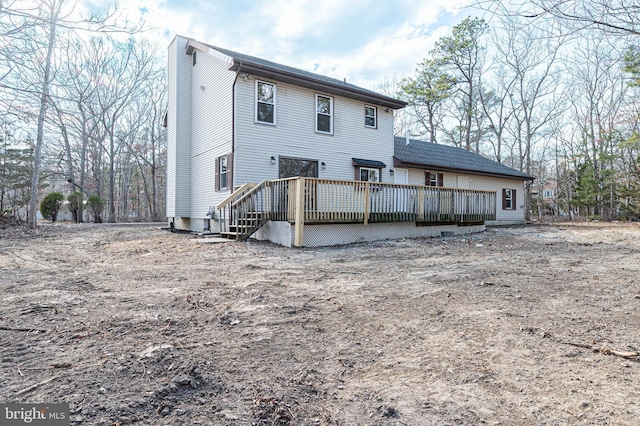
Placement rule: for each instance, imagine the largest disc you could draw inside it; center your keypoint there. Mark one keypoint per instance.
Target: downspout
(233, 123)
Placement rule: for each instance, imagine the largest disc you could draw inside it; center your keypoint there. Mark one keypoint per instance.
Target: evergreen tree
(50, 206)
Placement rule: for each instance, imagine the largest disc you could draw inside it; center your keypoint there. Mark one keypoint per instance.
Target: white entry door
(401, 176)
(463, 182)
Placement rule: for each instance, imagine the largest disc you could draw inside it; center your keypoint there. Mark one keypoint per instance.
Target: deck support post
(299, 213)
(367, 202)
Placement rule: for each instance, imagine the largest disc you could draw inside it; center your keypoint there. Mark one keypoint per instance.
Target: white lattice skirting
(283, 233)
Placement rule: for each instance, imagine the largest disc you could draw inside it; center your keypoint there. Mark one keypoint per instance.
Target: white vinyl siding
(295, 135)
(485, 183)
(211, 130)
(179, 131)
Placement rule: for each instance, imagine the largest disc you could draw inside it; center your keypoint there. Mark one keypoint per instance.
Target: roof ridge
(342, 84)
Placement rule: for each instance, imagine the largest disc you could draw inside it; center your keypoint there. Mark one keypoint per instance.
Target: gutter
(308, 82)
(436, 168)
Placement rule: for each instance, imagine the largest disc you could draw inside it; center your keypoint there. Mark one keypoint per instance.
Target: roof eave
(437, 168)
(334, 89)
(192, 44)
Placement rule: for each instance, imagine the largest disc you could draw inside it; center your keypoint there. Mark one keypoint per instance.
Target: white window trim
(508, 199)
(330, 132)
(225, 173)
(371, 169)
(375, 117)
(275, 98)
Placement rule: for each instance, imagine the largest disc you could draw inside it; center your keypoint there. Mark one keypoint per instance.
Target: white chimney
(407, 135)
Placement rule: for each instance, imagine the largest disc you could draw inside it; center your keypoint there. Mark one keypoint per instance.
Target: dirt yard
(135, 325)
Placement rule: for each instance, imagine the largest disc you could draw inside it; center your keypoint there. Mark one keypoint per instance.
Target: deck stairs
(247, 212)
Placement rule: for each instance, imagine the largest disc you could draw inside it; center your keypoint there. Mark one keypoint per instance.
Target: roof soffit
(316, 85)
(439, 168)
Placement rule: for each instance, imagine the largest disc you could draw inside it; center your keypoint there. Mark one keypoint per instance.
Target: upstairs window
(265, 102)
(324, 114)
(370, 117)
(508, 199)
(434, 179)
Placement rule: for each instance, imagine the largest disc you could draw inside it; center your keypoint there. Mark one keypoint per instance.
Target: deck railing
(302, 200)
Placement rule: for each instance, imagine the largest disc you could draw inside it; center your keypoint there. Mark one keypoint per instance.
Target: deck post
(299, 213)
(367, 196)
(420, 201)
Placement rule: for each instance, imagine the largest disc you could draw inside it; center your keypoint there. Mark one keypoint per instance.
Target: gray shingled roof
(297, 76)
(367, 163)
(449, 158)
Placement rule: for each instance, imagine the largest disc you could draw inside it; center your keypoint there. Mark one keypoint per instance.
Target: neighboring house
(424, 163)
(261, 149)
(544, 198)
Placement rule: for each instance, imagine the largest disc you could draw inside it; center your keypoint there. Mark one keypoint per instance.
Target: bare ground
(135, 325)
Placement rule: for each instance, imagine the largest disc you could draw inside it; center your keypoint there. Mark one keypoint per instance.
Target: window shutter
(504, 199)
(427, 178)
(357, 175)
(440, 179)
(513, 199)
(230, 172)
(217, 173)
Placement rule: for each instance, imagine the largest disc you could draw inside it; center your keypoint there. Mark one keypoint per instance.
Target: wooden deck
(303, 201)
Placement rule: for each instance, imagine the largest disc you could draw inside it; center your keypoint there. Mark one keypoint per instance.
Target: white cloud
(360, 40)
(381, 57)
(303, 17)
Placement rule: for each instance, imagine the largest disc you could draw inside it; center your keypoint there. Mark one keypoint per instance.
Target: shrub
(50, 206)
(75, 201)
(95, 204)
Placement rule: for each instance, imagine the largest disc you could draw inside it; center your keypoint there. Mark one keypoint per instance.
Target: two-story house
(262, 149)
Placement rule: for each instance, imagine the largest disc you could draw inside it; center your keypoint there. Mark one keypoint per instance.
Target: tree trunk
(112, 180)
(44, 101)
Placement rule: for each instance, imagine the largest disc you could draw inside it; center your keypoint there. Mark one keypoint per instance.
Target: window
(369, 175)
(508, 199)
(547, 193)
(290, 167)
(434, 179)
(324, 114)
(368, 170)
(369, 116)
(265, 102)
(223, 172)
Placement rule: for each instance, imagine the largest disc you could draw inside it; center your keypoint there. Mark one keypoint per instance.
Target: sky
(363, 41)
